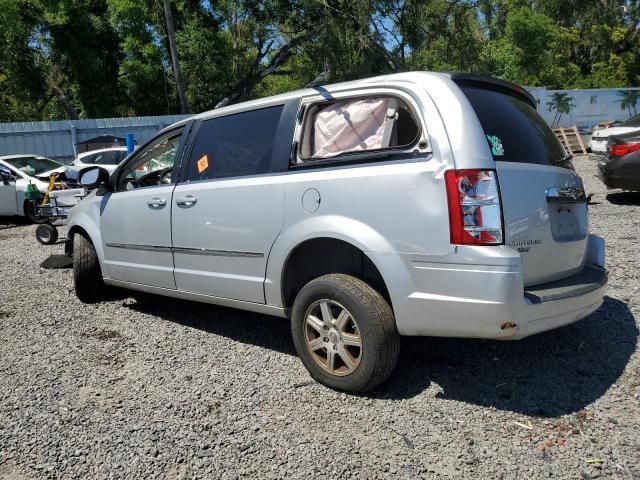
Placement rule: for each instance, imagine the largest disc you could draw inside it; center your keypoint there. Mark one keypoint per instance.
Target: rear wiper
(566, 158)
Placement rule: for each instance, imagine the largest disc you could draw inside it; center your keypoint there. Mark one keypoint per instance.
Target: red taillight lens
(623, 149)
(475, 211)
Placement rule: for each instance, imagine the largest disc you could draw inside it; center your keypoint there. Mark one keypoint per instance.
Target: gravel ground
(148, 387)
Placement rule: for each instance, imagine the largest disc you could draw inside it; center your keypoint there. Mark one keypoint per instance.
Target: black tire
(87, 276)
(46, 234)
(380, 342)
(30, 213)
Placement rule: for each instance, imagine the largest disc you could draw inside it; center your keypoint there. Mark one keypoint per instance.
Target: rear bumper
(490, 301)
(603, 175)
(613, 178)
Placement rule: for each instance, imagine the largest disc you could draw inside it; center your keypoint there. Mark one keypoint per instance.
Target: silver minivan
(410, 204)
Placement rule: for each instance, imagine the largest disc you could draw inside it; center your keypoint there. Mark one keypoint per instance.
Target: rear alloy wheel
(332, 337)
(345, 333)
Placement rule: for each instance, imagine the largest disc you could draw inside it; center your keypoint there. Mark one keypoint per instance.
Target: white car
(18, 172)
(599, 139)
(107, 158)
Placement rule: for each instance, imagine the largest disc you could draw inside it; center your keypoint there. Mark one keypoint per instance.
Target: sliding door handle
(187, 201)
(156, 202)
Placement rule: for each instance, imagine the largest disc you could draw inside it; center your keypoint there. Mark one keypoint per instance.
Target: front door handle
(188, 201)
(156, 202)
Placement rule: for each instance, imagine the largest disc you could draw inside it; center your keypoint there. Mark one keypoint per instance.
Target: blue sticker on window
(497, 150)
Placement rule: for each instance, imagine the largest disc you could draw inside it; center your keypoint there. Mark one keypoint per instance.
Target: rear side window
(514, 130)
(234, 145)
(357, 125)
(113, 157)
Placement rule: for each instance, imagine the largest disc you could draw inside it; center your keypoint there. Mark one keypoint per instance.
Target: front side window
(235, 145)
(357, 125)
(151, 166)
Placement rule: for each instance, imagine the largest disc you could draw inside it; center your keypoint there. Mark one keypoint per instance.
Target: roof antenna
(322, 78)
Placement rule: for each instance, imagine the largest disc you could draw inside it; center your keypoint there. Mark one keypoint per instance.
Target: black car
(621, 166)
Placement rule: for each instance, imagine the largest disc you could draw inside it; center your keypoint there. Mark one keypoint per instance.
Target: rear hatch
(543, 201)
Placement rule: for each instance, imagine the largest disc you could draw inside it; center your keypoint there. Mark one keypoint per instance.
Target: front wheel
(87, 276)
(344, 332)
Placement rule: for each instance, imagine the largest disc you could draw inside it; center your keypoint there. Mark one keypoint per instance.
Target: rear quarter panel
(389, 207)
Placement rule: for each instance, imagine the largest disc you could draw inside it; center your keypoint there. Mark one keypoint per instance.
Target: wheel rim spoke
(346, 358)
(315, 323)
(331, 359)
(341, 321)
(351, 340)
(327, 318)
(316, 344)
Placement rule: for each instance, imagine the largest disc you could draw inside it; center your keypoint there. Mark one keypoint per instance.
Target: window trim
(181, 130)
(421, 146)
(184, 172)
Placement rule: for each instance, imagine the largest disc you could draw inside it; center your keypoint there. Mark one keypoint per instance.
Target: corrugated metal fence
(57, 139)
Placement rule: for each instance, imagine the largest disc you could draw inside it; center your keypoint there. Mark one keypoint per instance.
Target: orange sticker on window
(203, 164)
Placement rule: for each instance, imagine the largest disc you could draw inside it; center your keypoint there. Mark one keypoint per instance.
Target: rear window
(514, 130)
(631, 122)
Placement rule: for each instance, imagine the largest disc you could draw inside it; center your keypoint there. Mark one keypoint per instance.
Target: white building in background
(588, 107)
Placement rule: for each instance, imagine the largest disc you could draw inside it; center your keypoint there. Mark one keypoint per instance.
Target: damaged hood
(62, 169)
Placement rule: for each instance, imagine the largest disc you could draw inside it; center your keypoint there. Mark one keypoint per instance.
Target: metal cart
(54, 207)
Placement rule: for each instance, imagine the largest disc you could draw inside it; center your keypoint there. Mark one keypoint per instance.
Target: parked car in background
(24, 169)
(604, 124)
(409, 204)
(108, 158)
(599, 138)
(621, 166)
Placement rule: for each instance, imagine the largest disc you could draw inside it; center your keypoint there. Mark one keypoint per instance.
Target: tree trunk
(65, 103)
(171, 34)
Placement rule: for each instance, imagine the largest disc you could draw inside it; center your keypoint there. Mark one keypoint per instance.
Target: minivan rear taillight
(475, 212)
(623, 149)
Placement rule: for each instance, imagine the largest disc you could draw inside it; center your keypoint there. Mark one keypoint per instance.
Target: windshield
(631, 122)
(515, 131)
(33, 165)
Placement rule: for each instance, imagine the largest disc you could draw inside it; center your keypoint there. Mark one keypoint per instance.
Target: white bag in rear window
(350, 126)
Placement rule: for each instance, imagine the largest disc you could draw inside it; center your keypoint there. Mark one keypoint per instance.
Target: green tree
(89, 58)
